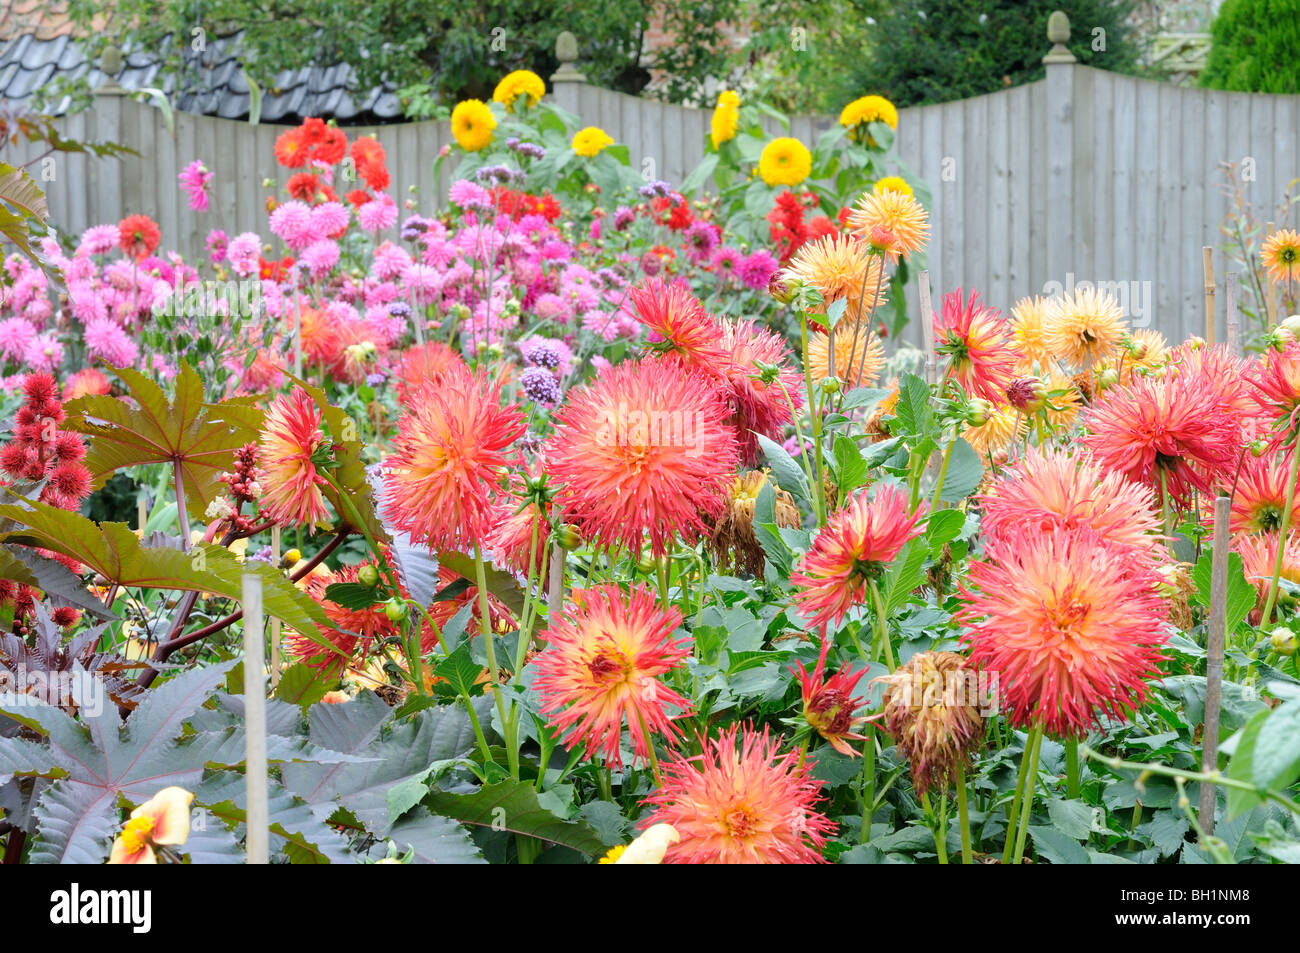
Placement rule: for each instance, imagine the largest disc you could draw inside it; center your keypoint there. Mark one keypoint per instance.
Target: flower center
(136, 834)
(741, 822)
(609, 668)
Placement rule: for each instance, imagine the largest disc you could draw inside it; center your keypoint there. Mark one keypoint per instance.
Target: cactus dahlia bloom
(1173, 434)
(750, 805)
(859, 354)
(892, 220)
(601, 667)
(851, 551)
(642, 450)
(162, 821)
(355, 630)
(448, 458)
(1260, 497)
(1277, 386)
(1084, 327)
(1048, 489)
(932, 709)
(673, 313)
(1028, 333)
(1259, 556)
(829, 703)
(1069, 623)
(976, 339)
(291, 443)
(1281, 256)
(759, 403)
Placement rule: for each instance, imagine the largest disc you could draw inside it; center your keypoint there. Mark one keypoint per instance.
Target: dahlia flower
(1281, 255)
(750, 805)
(602, 665)
(291, 438)
(892, 220)
(1084, 327)
(161, 821)
(976, 339)
(829, 703)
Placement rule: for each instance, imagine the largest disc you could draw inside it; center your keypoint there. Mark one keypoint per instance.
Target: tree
(933, 51)
(458, 48)
(1256, 47)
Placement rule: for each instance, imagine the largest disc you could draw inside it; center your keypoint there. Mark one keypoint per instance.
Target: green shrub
(1256, 47)
(931, 51)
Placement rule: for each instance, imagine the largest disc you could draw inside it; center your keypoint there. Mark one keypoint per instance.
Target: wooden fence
(1082, 176)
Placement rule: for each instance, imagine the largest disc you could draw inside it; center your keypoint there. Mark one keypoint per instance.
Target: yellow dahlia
(785, 161)
(839, 266)
(1084, 327)
(867, 109)
(995, 436)
(893, 183)
(891, 220)
(591, 141)
(856, 344)
(472, 123)
(1029, 333)
(521, 82)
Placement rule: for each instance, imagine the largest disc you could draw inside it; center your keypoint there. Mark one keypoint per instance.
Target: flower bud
(568, 537)
(396, 610)
(830, 385)
(1107, 379)
(1027, 394)
(1258, 447)
(1283, 641)
(290, 558)
(779, 290)
(368, 576)
(978, 412)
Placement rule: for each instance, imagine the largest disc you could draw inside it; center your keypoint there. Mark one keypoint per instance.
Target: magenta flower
(194, 180)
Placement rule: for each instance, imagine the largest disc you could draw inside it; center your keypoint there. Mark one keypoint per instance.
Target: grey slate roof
(214, 85)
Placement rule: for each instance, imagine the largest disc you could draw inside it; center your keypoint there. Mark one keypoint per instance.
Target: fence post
(105, 197)
(1059, 62)
(567, 81)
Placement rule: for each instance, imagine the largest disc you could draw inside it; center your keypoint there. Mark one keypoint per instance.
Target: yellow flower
(472, 123)
(1281, 255)
(590, 141)
(785, 161)
(858, 113)
(1084, 327)
(162, 820)
(613, 854)
(726, 117)
(521, 82)
(1029, 332)
(892, 182)
(649, 848)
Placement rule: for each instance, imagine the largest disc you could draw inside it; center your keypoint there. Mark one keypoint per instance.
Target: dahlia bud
(1027, 394)
(1195, 343)
(290, 558)
(396, 610)
(1291, 323)
(767, 372)
(881, 239)
(978, 412)
(779, 290)
(830, 385)
(1283, 641)
(568, 538)
(1278, 339)
(1258, 447)
(368, 576)
(1137, 349)
(650, 264)
(933, 712)
(646, 564)
(1107, 379)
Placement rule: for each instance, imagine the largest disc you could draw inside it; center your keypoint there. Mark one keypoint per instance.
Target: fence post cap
(566, 51)
(110, 64)
(1058, 32)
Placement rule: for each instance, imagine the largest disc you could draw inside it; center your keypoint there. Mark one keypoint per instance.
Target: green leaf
(1241, 594)
(1056, 847)
(943, 527)
(150, 429)
(905, 573)
(301, 685)
(21, 203)
(114, 551)
(1242, 768)
(513, 806)
(461, 671)
(500, 584)
(835, 311)
(1276, 764)
(51, 577)
(863, 397)
(435, 840)
(965, 470)
(849, 465)
(789, 475)
(913, 410)
(700, 174)
(1072, 818)
(351, 595)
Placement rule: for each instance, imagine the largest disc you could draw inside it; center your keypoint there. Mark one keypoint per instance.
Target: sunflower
(1281, 255)
(748, 806)
(521, 82)
(472, 123)
(590, 141)
(892, 183)
(784, 161)
(858, 113)
(726, 118)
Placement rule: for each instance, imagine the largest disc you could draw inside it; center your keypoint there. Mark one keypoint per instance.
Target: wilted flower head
(829, 703)
(932, 707)
(733, 542)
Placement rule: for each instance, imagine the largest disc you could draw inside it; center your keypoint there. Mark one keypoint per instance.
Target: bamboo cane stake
(257, 815)
(1218, 623)
(1207, 267)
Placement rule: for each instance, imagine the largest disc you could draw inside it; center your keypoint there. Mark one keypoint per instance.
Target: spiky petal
(291, 437)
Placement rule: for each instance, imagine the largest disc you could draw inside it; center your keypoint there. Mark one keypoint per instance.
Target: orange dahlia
(839, 266)
(673, 313)
(320, 336)
(1084, 327)
(892, 220)
(1259, 556)
(423, 363)
(449, 456)
(1277, 385)
(1281, 255)
(1070, 624)
(859, 354)
(1028, 332)
(747, 806)
(292, 442)
(1049, 489)
(453, 601)
(976, 339)
(601, 666)
(519, 524)
(1260, 497)
(642, 449)
(851, 551)
(994, 438)
(1173, 434)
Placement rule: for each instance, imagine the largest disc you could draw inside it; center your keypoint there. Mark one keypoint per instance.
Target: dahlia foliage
(601, 518)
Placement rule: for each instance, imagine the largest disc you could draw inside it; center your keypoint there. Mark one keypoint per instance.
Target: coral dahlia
(977, 340)
(291, 440)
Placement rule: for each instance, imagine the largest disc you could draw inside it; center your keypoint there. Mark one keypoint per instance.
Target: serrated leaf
(849, 465)
(913, 410)
(1072, 818)
(863, 397)
(51, 577)
(351, 595)
(300, 832)
(513, 806)
(905, 573)
(942, 527)
(435, 840)
(461, 671)
(1056, 847)
(500, 584)
(301, 685)
(1241, 594)
(182, 431)
(1166, 831)
(965, 471)
(1242, 768)
(114, 551)
(1276, 764)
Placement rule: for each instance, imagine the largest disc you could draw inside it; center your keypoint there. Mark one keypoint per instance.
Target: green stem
(1013, 814)
(1072, 768)
(650, 747)
(819, 491)
(661, 570)
(1027, 807)
(485, 628)
(963, 813)
(943, 472)
(868, 782)
(1281, 536)
(936, 828)
(882, 627)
